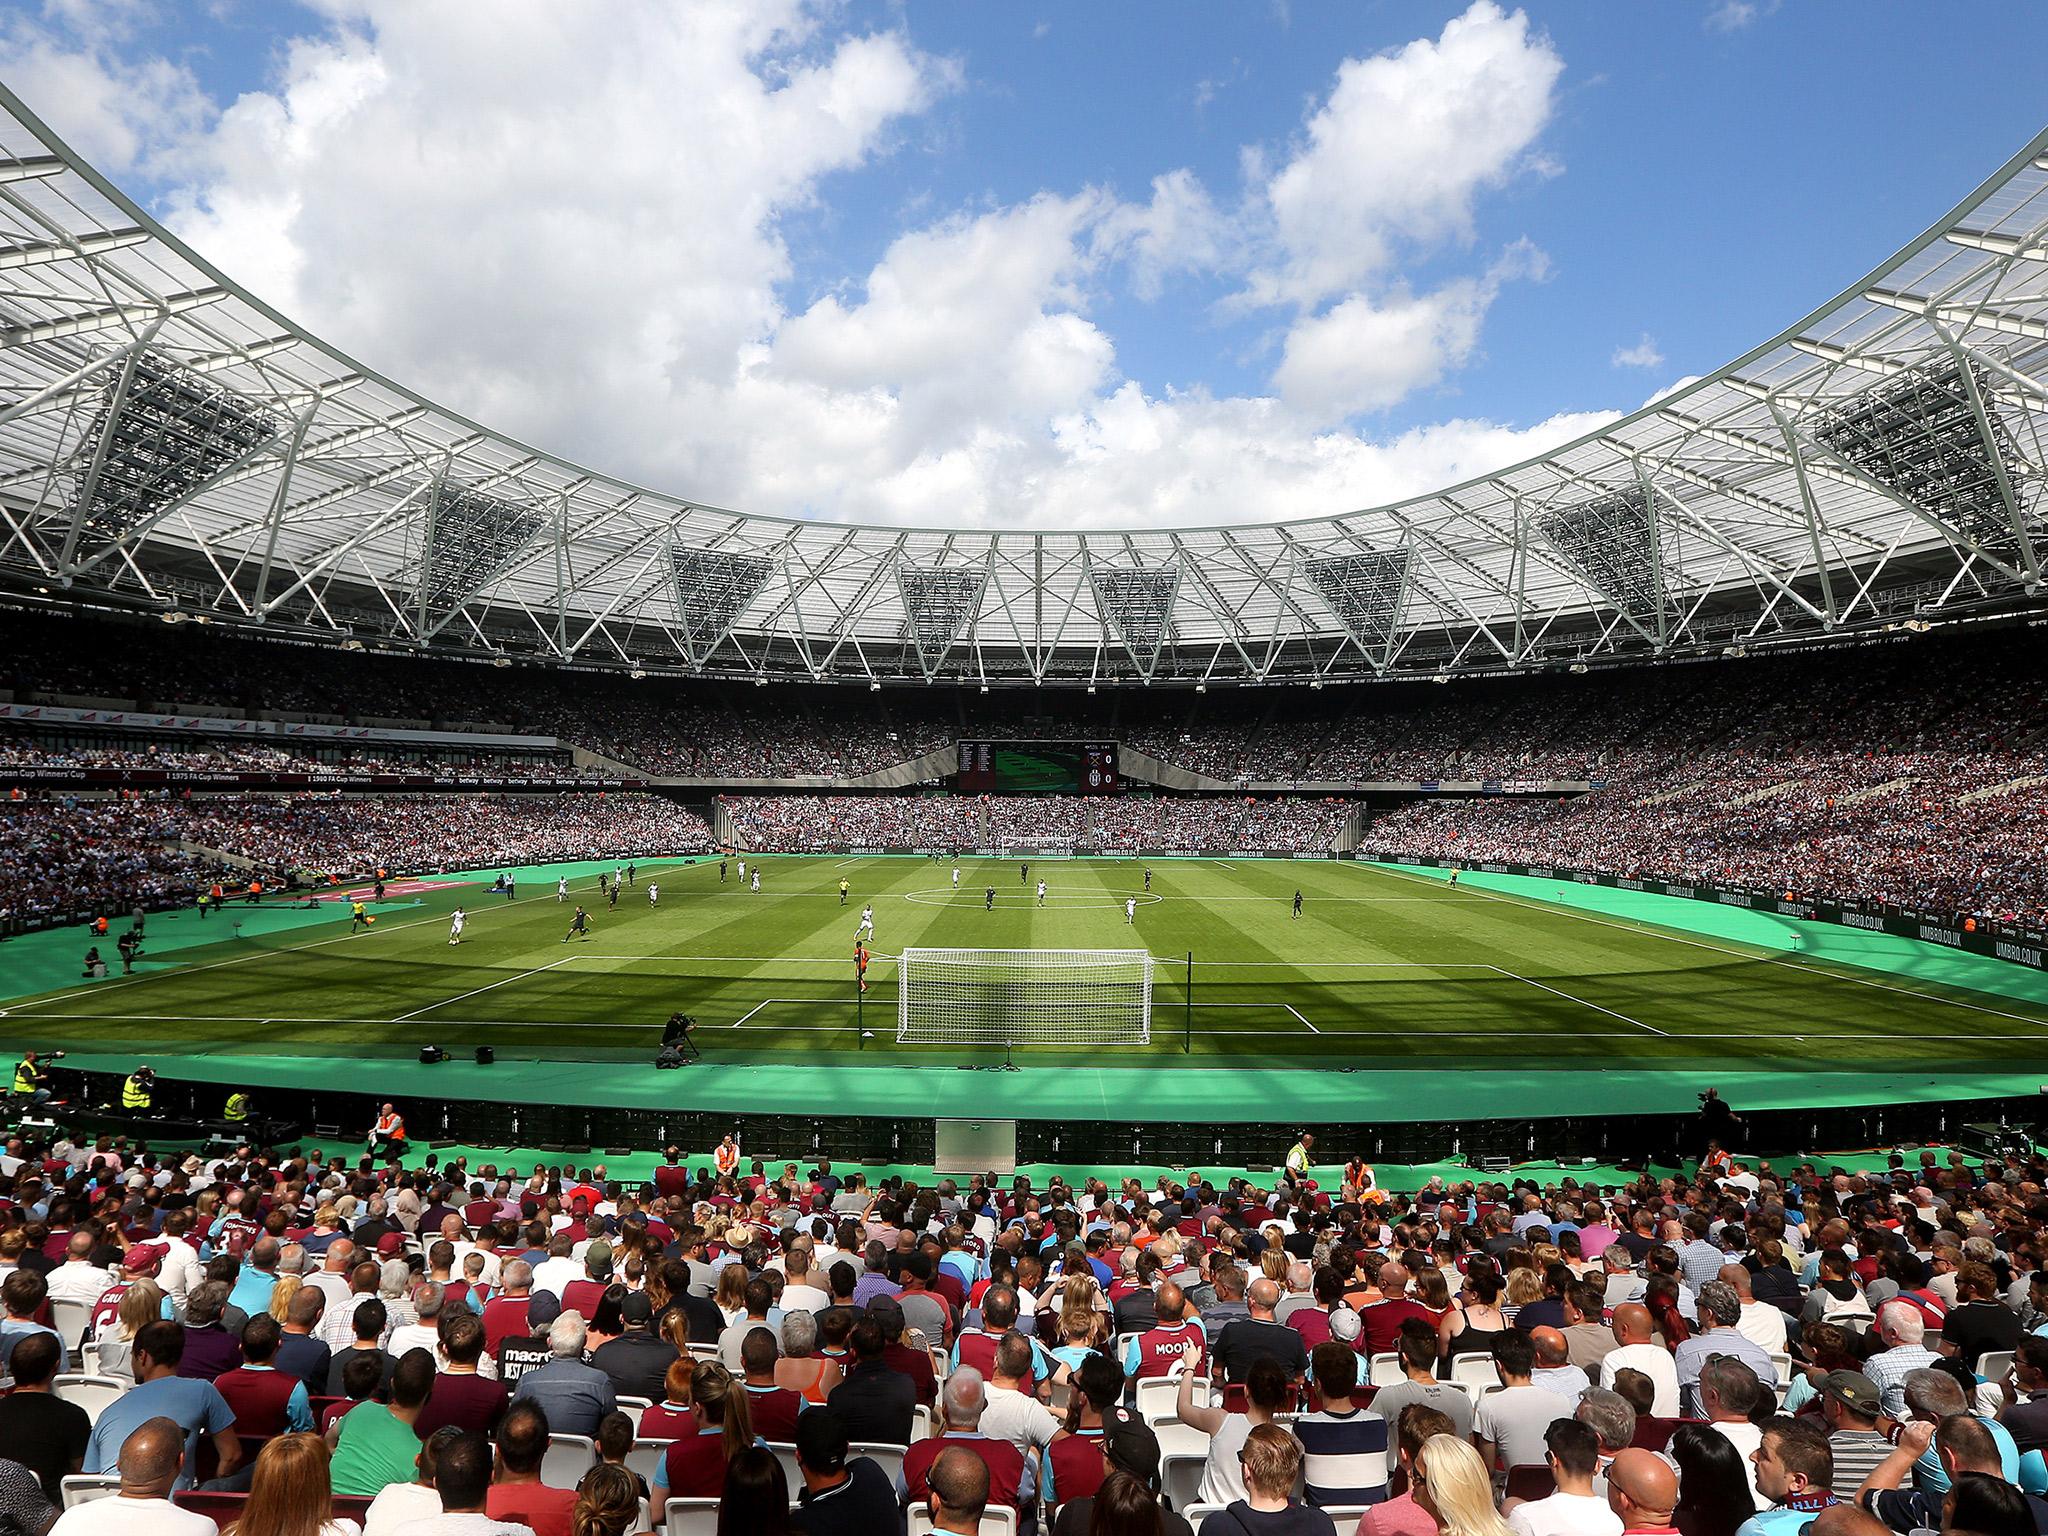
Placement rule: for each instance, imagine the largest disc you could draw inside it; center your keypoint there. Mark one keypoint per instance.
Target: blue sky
(908, 261)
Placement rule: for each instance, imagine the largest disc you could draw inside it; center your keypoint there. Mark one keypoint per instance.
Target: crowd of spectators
(1925, 830)
(803, 823)
(20, 750)
(1743, 1351)
(68, 857)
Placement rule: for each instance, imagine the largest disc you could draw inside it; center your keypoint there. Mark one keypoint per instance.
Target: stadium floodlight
(1934, 436)
(1136, 603)
(1005, 997)
(1611, 541)
(940, 605)
(712, 588)
(471, 540)
(1365, 592)
(168, 431)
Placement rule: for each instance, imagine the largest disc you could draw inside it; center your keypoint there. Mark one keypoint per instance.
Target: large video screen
(1037, 768)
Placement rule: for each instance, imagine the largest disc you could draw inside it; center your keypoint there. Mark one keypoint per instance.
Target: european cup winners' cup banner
(1038, 768)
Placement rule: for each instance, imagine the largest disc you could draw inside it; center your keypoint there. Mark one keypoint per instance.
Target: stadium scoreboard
(1038, 768)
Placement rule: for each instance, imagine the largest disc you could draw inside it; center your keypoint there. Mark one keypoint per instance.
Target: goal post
(1004, 997)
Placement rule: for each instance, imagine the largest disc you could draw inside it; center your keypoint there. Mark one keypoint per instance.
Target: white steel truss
(168, 441)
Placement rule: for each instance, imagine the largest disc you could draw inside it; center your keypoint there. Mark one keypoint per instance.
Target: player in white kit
(562, 889)
(1041, 893)
(1130, 909)
(956, 877)
(455, 921)
(653, 891)
(757, 878)
(867, 923)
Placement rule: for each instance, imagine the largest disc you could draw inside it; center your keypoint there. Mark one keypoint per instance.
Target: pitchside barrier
(1977, 936)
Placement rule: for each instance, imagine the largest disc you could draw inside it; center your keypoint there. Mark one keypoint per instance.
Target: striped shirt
(1857, 1453)
(1344, 1459)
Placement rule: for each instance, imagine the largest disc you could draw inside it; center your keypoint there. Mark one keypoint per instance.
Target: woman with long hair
(1124, 1506)
(731, 1295)
(141, 1304)
(608, 1319)
(290, 1494)
(1661, 1297)
(281, 1296)
(1431, 1293)
(756, 1497)
(1083, 1324)
(1457, 1489)
(719, 1401)
(607, 1503)
(1713, 1489)
(1469, 1327)
(1524, 1286)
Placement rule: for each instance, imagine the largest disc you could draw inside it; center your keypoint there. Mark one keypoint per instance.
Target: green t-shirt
(376, 1450)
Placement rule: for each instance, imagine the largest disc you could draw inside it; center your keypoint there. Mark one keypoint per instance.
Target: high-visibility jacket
(237, 1107)
(26, 1077)
(134, 1093)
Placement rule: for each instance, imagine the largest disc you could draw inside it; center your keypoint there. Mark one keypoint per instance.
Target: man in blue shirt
(194, 1406)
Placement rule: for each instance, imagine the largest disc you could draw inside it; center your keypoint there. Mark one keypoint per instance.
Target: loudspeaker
(432, 1054)
(485, 1055)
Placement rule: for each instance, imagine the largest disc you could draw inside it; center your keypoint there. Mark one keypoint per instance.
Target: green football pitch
(1382, 966)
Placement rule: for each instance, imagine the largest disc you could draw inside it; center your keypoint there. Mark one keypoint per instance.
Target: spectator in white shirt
(1761, 1322)
(1574, 1509)
(801, 1294)
(1637, 1350)
(559, 1268)
(426, 1332)
(78, 1279)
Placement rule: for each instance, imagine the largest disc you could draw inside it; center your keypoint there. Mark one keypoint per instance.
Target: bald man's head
(150, 1458)
(1263, 1296)
(1551, 1349)
(1642, 1489)
(1170, 1303)
(1736, 1278)
(1632, 1323)
(1393, 1280)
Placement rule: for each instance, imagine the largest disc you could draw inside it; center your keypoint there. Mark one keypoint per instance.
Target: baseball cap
(598, 1255)
(141, 1258)
(391, 1244)
(1852, 1389)
(636, 1308)
(1345, 1325)
(1128, 1442)
(887, 1311)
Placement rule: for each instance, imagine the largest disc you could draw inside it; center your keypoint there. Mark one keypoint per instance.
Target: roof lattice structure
(168, 441)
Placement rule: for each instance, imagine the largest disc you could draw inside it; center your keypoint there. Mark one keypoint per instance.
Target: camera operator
(1719, 1126)
(32, 1078)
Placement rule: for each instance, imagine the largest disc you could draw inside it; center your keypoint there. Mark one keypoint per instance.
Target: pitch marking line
(1287, 1007)
(1656, 932)
(1582, 1002)
(487, 987)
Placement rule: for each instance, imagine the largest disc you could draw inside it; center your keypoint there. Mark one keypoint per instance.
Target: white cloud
(1400, 149)
(575, 234)
(1643, 354)
(1734, 15)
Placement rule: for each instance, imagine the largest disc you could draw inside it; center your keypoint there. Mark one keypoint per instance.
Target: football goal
(1024, 997)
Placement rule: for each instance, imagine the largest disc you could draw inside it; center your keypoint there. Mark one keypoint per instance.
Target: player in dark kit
(721, 871)
(578, 925)
(611, 894)
(988, 900)
(1023, 873)
(1297, 903)
(1148, 879)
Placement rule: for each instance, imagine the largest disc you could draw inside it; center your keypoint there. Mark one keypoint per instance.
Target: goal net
(1024, 997)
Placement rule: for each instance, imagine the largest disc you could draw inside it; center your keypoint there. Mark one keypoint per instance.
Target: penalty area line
(487, 987)
(1582, 1002)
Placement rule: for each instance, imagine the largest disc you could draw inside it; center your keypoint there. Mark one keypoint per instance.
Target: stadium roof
(169, 442)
